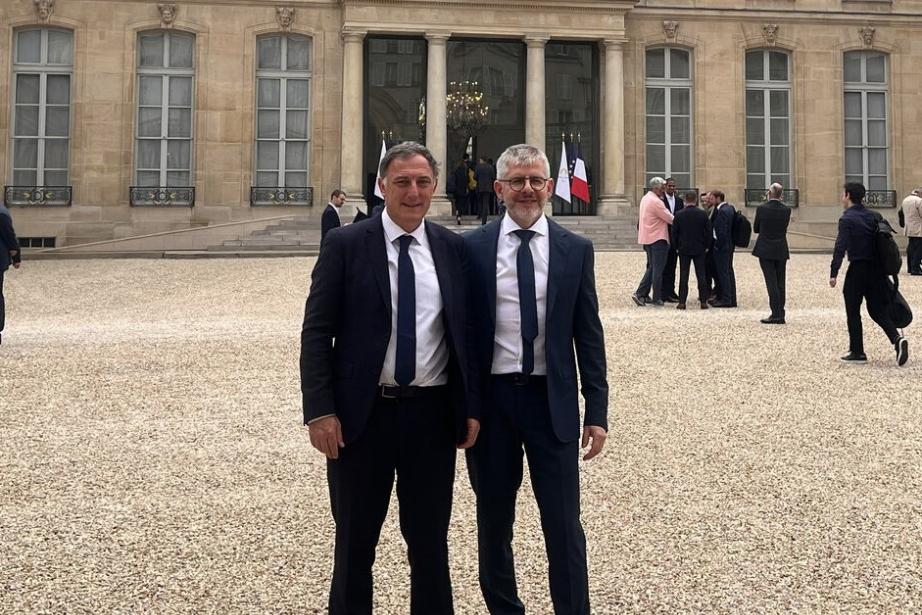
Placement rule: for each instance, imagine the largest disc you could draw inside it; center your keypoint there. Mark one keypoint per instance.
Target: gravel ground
(153, 460)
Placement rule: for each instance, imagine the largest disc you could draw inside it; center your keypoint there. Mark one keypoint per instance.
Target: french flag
(579, 183)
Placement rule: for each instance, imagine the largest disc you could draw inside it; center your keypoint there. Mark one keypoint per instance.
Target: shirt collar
(510, 225)
(392, 231)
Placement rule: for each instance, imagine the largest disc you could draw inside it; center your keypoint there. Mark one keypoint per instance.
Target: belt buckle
(388, 391)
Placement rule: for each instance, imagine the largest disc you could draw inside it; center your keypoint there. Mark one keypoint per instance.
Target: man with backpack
(866, 278)
(723, 250)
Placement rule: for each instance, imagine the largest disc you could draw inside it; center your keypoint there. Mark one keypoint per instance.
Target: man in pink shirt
(653, 235)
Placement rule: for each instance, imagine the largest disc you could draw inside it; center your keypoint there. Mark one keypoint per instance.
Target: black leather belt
(519, 379)
(388, 391)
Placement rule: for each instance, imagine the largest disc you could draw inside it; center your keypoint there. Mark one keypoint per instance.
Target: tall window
(42, 70)
(165, 94)
(866, 134)
(669, 109)
(283, 80)
(768, 118)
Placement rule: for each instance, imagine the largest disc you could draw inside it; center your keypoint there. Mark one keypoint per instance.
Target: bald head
(775, 191)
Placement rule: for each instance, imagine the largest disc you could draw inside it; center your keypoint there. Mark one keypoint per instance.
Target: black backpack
(886, 252)
(742, 229)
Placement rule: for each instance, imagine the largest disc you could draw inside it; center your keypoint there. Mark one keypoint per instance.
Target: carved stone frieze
(770, 33)
(285, 16)
(167, 14)
(867, 35)
(670, 29)
(44, 9)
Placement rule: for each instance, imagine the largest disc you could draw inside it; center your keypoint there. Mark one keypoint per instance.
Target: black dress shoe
(671, 299)
(681, 306)
(721, 304)
(704, 305)
(855, 357)
(772, 320)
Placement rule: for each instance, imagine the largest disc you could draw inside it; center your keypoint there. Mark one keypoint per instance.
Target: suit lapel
(440, 259)
(557, 263)
(492, 238)
(377, 252)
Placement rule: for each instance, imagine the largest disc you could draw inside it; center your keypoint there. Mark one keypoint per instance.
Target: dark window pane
(680, 103)
(181, 50)
(656, 101)
(755, 69)
(876, 68)
(755, 103)
(679, 64)
(269, 51)
(656, 63)
(777, 66)
(151, 50)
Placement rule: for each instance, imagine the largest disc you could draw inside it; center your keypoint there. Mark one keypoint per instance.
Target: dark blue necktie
(405, 368)
(528, 304)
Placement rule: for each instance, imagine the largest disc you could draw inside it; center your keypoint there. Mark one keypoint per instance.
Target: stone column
(535, 115)
(612, 201)
(436, 127)
(353, 136)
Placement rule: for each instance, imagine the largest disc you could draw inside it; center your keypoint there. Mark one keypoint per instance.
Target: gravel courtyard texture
(153, 458)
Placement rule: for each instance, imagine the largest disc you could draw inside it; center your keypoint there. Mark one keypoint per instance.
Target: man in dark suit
(723, 250)
(331, 215)
(692, 234)
(485, 176)
(771, 223)
(10, 254)
(533, 293)
(673, 202)
(710, 265)
(387, 382)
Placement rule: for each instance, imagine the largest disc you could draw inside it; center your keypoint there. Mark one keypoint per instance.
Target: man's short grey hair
(405, 150)
(775, 190)
(657, 182)
(521, 155)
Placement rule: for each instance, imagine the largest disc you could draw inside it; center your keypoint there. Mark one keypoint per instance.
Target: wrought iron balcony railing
(757, 196)
(161, 196)
(278, 196)
(880, 199)
(38, 196)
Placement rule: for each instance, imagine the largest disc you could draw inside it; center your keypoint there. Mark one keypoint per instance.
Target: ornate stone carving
(670, 29)
(285, 16)
(44, 8)
(867, 35)
(167, 14)
(770, 33)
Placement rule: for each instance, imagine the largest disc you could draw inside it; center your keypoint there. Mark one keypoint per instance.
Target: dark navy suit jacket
(772, 219)
(347, 325)
(723, 228)
(8, 240)
(572, 321)
(328, 221)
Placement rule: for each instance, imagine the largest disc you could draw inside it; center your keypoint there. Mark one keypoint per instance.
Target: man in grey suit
(9, 255)
(771, 223)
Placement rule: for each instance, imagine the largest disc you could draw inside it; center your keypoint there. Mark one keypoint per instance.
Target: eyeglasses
(518, 183)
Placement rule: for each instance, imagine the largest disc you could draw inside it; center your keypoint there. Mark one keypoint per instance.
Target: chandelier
(466, 113)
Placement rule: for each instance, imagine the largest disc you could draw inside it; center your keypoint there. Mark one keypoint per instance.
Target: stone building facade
(120, 118)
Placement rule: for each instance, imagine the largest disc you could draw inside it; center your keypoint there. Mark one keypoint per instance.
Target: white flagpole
(378, 171)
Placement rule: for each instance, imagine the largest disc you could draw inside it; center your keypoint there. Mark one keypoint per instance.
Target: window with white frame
(866, 134)
(43, 60)
(768, 118)
(283, 80)
(669, 114)
(163, 155)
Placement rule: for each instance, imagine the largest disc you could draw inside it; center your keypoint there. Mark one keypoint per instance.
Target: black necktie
(405, 367)
(528, 304)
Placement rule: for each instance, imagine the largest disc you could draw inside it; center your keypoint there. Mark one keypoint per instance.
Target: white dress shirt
(670, 199)
(431, 347)
(507, 343)
(338, 213)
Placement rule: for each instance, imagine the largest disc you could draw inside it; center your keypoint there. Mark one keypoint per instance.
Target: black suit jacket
(691, 230)
(771, 223)
(8, 241)
(347, 325)
(679, 205)
(328, 221)
(723, 228)
(572, 321)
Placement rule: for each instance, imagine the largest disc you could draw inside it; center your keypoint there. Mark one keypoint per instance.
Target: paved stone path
(152, 459)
